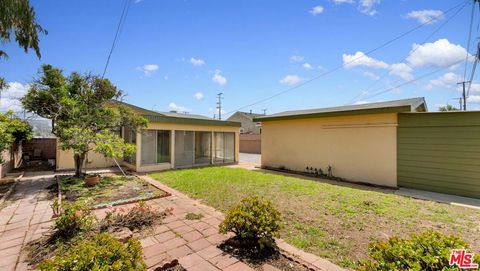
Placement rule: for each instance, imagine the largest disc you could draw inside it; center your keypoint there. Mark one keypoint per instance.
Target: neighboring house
(171, 140)
(250, 139)
(395, 144)
(246, 119)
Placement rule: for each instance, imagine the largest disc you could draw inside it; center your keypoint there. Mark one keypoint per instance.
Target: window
(224, 147)
(155, 147)
(130, 136)
(203, 148)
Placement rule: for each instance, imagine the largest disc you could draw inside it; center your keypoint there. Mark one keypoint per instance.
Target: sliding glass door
(224, 151)
(203, 148)
(155, 147)
(184, 148)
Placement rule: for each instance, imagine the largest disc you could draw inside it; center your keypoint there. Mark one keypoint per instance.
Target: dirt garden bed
(110, 191)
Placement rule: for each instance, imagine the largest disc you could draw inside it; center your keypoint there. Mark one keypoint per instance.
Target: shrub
(74, 219)
(101, 252)
(253, 219)
(429, 250)
(139, 216)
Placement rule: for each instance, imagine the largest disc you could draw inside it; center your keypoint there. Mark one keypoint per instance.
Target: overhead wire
(344, 64)
(354, 99)
(121, 22)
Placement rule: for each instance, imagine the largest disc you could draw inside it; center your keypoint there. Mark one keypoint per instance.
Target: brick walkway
(26, 216)
(193, 242)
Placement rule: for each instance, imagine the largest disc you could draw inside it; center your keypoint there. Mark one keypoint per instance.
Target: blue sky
(179, 54)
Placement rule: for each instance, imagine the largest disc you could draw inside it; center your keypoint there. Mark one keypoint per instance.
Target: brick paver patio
(193, 243)
(26, 216)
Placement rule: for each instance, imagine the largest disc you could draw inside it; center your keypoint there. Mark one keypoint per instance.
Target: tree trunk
(79, 159)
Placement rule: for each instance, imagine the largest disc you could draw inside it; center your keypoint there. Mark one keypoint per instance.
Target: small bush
(253, 219)
(101, 252)
(429, 250)
(75, 218)
(193, 216)
(139, 216)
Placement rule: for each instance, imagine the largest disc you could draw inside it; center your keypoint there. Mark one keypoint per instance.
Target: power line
(346, 63)
(414, 50)
(469, 39)
(121, 22)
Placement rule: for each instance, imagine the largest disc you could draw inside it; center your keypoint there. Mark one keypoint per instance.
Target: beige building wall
(360, 148)
(65, 158)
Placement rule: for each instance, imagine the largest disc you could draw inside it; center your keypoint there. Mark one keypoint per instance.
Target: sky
(177, 55)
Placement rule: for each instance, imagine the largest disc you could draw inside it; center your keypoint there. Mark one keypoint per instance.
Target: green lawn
(332, 221)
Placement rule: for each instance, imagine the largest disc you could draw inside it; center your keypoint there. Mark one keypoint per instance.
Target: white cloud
(361, 102)
(10, 97)
(447, 80)
(368, 6)
(440, 53)
(338, 2)
(148, 69)
(199, 96)
(474, 99)
(426, 16)
(474, 88)
(291, 80)
(180, 109)
(402, 70)
(371, 75)
(307, 66)
(219, 78)
(360, 59)
(197, 61)
(296, 58)
(317, 10)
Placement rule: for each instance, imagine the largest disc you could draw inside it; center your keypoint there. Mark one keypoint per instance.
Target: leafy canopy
(18, 17)
(12, 130)
(84, 114)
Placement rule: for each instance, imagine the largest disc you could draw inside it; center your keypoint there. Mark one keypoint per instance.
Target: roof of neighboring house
(174, 117)
(249, 115)
(397, 106)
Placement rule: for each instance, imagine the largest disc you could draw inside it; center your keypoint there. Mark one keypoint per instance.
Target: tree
(447, 107)
(18, 17)
(12, 130)
(83, 112)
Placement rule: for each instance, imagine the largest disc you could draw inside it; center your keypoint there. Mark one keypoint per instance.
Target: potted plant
(92, 179)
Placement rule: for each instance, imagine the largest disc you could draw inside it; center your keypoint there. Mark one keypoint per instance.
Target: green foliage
(12, 130)
(429, 250)
(85, 116)
(102, 252)
(253, 219)
(18, 17)
(448, 107)
(137, 217)
(74, 219)
(193, 216)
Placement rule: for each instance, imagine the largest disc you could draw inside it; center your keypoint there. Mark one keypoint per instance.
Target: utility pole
(460, 102)
(464, 95)
(264, 111)
(219, 105)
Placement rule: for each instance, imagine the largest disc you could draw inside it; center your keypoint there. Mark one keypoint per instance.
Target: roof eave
(395, 109)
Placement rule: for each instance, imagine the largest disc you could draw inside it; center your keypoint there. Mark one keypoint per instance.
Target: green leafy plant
(12, 130)
(75, 218)
(101, 252)
(253, 220)
(139, 216)
(193, 216)
(427, 251)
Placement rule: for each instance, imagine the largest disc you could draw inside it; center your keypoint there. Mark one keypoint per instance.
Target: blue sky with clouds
(179, 54)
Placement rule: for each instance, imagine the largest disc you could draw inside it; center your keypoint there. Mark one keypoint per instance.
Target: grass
(110, 189)
(330, 220)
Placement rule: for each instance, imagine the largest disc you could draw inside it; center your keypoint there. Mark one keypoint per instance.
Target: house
(250, 139)
(394, 144)
(246, 119)
(171, 140)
